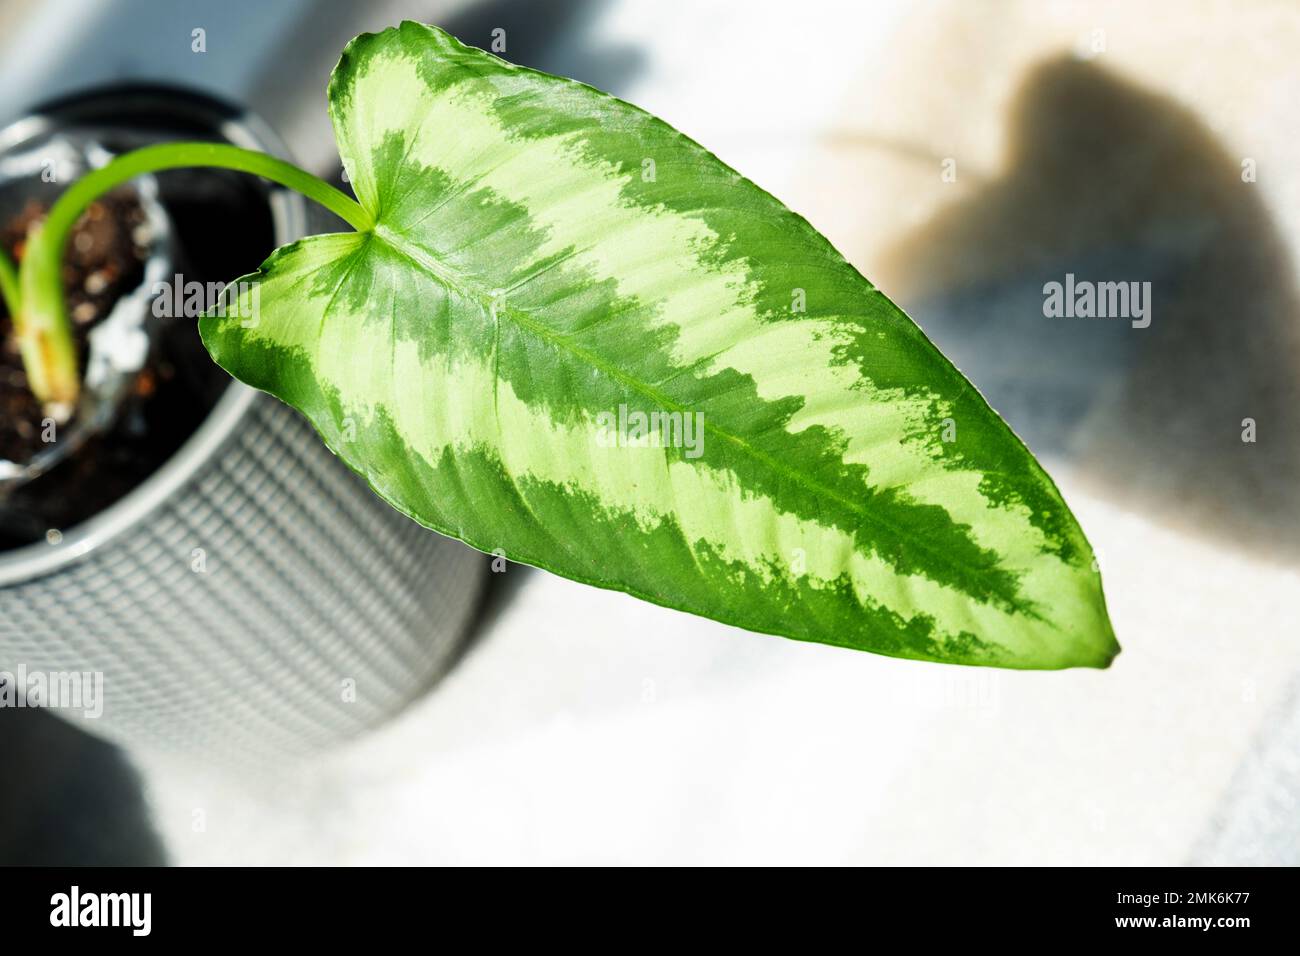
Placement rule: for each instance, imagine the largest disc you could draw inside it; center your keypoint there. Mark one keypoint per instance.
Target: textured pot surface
(253, 597)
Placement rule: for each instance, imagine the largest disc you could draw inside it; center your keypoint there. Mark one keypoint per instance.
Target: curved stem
(41, 321)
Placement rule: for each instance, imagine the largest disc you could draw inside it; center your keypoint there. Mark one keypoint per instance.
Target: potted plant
(562, 332)
(231, 584)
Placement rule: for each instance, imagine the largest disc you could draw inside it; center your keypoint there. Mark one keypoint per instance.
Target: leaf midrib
(461, 284)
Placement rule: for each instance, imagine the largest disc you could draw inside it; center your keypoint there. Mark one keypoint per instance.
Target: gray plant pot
(253, 597)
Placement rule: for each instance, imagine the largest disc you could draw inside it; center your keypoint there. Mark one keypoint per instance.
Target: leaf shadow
(1110, 181)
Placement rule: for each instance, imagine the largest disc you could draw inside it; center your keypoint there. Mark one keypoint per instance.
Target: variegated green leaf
(549, 261)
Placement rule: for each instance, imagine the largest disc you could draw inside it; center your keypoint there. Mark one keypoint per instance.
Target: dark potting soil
(222, 230)
(102, 263)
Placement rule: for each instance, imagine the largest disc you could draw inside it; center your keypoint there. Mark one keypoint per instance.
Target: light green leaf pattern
(548, 260)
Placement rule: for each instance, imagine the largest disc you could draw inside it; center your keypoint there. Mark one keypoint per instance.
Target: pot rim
(289, 222)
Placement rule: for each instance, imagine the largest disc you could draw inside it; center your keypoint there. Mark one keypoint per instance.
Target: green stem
(9, 284)
(41, 321)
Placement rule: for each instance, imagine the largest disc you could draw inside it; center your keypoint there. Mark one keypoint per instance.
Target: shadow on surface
(554, 37)
(69, 799)
(498, 593)
(1111, 182)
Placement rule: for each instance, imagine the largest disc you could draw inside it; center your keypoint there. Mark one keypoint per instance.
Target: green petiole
(35, 295)
(8, 283)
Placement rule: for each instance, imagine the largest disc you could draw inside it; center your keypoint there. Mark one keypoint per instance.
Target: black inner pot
(223, 228)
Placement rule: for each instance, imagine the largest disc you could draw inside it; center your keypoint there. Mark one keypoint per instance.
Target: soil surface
(103, 262)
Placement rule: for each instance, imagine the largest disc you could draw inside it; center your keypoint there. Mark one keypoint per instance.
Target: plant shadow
(1109, 181)
(70, 799)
